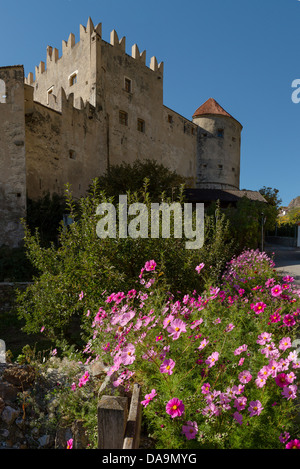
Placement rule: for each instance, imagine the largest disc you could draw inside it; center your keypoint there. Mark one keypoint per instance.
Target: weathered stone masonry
(94, 106)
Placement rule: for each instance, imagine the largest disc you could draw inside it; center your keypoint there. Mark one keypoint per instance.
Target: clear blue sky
(244, 54)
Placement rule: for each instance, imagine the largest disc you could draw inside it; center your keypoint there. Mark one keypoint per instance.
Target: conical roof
(211, 107)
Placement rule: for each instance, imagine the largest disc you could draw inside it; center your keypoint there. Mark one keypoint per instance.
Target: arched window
(2, 92)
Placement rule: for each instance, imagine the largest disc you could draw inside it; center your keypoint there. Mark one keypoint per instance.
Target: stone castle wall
(12, 155)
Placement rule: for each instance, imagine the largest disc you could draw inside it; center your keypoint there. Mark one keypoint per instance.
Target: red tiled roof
(210, 107)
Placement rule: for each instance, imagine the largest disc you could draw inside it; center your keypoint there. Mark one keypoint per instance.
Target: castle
(93, 107)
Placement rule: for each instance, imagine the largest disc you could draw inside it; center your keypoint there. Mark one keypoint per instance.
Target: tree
(271, 196)
(124, 177)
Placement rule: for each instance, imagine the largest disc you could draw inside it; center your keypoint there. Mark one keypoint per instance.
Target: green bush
(85, 263)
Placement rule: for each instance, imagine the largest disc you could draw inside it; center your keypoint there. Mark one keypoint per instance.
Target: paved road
(287, 259)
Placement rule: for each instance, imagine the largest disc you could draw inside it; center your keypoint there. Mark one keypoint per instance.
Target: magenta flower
(199, 267)
(276, 290)
(175, 407)
(149, 397)
(259, 307)
(245, 377)
(70, 443)
(205, 388)
(281, 380)
(290, 392)
(238, 417)
(167, 366)
(255, 408)
(175, 328)
(293, 444)
(84, 379)
(211, 360)
(289, 320)
(190, 430)
(150, 265)
(275, 317)
(284, 437)
(240, 402)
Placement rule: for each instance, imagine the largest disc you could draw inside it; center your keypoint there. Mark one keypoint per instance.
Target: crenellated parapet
(86, 36)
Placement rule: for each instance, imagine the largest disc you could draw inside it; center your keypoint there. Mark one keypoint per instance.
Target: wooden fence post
(133, 428)
(112, 420)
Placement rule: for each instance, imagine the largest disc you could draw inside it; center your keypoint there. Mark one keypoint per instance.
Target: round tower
(218, 147)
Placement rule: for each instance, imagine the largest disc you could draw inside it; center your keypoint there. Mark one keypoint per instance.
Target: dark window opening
(72, 154)
(127, 85)
(123, 118)
(141, 125)
(221, 133)
(170, 119)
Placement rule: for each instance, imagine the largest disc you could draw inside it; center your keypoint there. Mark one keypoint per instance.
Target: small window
(123, 118)
(141, 125)
(49, 92)
(170, 119)
(220, 166)
(221, 133)
(73, 79)
(233, 169)
(127, 85)
(72, 154)
(233, 139)
(203, 135)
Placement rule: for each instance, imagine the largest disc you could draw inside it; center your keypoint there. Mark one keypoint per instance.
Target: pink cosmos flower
(205, 388)
(293, 444)
(150, 265)
(289, 320)
(288, 278)
(273, 368)
(275, 317)
(149, 397)
(245, 377)
(211, 360)
(290, 392)
(285, 343)
(70, 443)
(190, 430)
(42, 329)
(281, 380)
(175, 407)
(255, 408)
(259, 307)
(241, 361)
(270, 282)
(175, 328)
(240, 402)
(264, 338)
(260, 382)
(84, 379)
(284, 437)
(240, 349)
(199, 267)
(238, 417)
(81, 295)
(203, 344)
(167, 366)
(168, 320)
(276, 290)
(229, 327)
(196, 323)
(127, 354)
